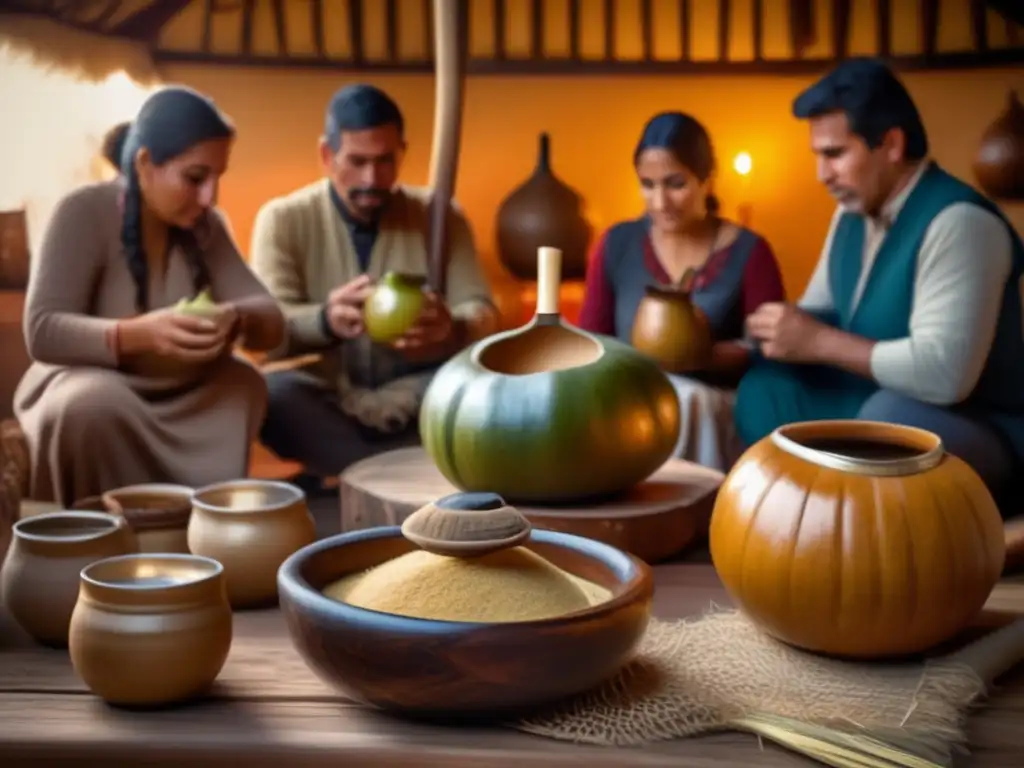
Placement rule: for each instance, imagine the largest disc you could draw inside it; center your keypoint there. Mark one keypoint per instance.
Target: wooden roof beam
(146, 23)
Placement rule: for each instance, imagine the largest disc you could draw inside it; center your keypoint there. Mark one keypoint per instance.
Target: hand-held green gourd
(393, 307)
(202, 304)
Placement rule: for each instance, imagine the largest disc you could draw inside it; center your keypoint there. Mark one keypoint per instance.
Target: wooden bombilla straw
(549, 278)
(686, 280)
(450, 53)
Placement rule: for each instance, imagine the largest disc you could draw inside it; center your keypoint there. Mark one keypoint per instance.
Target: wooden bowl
(463, 670)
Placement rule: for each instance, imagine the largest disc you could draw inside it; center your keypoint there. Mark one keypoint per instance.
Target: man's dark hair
(358, 108)
(874, 101)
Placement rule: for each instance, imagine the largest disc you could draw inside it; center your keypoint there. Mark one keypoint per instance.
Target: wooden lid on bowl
(466, 525)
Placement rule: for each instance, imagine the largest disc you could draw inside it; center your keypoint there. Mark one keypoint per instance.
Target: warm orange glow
(594, 122)
(743, 164)
(52, 143)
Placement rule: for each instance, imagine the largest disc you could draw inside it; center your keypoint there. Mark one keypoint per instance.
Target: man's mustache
(380, 192)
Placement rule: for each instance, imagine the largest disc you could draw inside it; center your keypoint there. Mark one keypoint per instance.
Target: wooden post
(451, 24)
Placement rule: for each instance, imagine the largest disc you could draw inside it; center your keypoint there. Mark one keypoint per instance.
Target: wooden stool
(656, 520)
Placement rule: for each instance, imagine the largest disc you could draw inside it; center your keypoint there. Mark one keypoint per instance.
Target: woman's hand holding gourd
(229, 321)
(172, 334)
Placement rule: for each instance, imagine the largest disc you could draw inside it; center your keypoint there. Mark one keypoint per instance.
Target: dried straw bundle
(719, 672)
(854, 746)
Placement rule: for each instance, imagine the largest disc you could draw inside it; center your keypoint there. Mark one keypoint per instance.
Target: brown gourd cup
(251, 527)
(39, 578)
(150, 629)
(671, 329)
(453, 669)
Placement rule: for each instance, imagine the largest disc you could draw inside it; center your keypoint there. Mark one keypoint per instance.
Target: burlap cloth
(709, 673)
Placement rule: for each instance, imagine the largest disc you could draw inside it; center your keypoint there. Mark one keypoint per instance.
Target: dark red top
(761, 281)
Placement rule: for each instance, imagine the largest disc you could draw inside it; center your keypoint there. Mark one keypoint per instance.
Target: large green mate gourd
(549, 413)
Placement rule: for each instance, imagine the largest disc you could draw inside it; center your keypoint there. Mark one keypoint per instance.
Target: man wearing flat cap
(320, 250)
(913, 314)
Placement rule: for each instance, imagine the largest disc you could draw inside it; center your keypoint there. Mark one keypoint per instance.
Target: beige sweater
(301, 250)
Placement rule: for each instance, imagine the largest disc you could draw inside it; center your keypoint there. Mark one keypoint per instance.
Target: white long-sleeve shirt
(963, 264)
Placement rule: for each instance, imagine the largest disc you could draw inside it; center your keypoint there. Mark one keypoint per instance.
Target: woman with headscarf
(125, 387)
(681, 230)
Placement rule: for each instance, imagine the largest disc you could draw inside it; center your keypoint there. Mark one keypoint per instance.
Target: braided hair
(171, 121)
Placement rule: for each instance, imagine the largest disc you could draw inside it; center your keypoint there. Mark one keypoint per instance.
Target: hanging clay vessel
(543, 211)
(999, 163)
(671, 329)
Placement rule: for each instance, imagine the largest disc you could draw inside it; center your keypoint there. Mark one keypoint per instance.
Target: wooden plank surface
(268, 709)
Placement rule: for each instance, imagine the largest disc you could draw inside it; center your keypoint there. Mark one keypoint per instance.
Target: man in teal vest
(913, 314)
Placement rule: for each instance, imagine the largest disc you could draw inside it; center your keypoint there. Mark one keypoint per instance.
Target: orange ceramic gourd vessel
(853, 556)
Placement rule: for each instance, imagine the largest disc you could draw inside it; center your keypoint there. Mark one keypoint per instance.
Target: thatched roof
(133, 19)
(85, 54)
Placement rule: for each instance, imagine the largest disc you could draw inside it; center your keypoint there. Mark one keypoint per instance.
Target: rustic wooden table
(269, 710)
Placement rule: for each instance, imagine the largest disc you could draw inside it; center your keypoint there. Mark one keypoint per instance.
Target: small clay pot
(672, 330)
(89, 504)
(251, 527)
(150, 629)
(157, 512)
(39, 579)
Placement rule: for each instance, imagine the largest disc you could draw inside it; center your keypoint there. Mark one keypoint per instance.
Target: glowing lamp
(743, 164)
